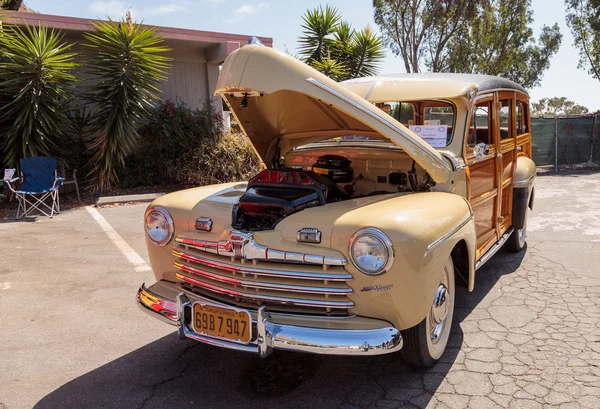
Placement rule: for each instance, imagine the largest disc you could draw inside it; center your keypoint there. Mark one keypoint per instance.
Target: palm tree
(36, 72)
(126, 65)
(334, 48)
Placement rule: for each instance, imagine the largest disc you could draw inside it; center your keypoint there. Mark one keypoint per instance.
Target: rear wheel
(425, 343)
(516, 241)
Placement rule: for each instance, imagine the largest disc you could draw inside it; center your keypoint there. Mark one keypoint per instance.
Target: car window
(505, 119)
(480, 130)
(402, 112)
(521, 118)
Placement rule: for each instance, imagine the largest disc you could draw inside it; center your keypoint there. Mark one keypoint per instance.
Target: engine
(275, 194)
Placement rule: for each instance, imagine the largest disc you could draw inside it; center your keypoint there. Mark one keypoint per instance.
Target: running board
(494, 249)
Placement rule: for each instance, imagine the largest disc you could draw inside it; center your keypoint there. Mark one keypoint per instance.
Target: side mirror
(481, 150)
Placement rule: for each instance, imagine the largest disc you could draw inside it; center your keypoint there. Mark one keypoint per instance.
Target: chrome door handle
(499, 155)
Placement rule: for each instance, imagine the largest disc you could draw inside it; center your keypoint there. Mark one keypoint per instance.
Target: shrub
(179, 144)
(126, 65)
(231, 159)
(36, 68)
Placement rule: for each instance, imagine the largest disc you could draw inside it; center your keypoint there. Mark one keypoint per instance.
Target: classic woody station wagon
(378, 197)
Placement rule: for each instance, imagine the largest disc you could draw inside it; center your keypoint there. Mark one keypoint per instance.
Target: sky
(282, 19)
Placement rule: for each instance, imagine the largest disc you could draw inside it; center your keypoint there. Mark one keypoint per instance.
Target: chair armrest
(58, 181)
(9, 183)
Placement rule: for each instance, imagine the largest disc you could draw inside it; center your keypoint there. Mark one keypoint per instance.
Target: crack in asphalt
(155, 386)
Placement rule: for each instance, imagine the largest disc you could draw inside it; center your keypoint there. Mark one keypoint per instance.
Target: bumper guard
(271, 335)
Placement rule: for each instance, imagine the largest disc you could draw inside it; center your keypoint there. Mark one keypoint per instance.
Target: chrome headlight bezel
(383, 239)
(169, 222)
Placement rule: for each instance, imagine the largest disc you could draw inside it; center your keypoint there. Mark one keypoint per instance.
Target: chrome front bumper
(164, 302)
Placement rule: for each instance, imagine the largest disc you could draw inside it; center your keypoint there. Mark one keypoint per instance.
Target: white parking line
(129, 253)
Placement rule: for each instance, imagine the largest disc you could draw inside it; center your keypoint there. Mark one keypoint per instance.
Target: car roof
(426, 85)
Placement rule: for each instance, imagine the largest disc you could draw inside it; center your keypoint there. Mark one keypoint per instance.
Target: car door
(506, 156)
(482, 175)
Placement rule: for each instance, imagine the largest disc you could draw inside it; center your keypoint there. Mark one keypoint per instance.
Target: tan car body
(292, 105)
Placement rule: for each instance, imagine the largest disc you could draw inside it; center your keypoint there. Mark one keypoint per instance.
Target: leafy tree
(583, 18)
(557, 106)
(419, 31)
(473, 36)
(334, 48)
(36, 70)
(126, 65)
(11, 4)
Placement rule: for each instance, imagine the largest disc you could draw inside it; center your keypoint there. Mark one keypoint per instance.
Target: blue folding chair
(38, 178)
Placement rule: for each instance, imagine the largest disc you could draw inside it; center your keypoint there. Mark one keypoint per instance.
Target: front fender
(424, 229)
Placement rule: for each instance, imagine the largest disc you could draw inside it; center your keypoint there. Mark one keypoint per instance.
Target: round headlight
(371, 251)
(159, 225)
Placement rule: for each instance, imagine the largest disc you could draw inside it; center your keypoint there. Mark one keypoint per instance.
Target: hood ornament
(238, 240)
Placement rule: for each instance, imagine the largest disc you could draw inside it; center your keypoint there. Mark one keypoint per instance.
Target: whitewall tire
(425, 343)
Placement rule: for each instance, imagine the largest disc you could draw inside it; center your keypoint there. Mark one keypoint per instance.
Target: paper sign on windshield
(435, 135)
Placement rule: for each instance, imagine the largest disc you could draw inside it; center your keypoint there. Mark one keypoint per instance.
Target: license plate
(219, 322)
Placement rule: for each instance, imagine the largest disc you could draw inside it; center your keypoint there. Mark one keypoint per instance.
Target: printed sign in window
(435, 135)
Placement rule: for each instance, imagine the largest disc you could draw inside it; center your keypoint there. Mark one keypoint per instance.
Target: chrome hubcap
(522, 233)
(439, 309)
(439, 312)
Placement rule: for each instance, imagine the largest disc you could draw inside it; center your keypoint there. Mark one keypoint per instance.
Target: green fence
(566, 141)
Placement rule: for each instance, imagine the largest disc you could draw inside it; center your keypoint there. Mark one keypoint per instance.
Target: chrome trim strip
(526, 181)
(372, 89)
(255, 251)
(271, 335)
(449, 234)
(494, 249)
(263, 297)
(263, 271)
(383, 120)
(261, 284)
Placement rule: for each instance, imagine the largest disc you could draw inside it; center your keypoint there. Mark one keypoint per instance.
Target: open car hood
(280, 103)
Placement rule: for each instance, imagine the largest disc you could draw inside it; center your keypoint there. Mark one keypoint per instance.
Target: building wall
(187, 78)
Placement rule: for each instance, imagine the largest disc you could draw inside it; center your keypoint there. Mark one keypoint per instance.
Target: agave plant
(126, 65)
(334, 48)
(35, 74)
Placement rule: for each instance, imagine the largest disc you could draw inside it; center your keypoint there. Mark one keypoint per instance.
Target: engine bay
(316, 177)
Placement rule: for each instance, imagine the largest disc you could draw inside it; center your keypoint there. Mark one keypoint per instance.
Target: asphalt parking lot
(71, 335)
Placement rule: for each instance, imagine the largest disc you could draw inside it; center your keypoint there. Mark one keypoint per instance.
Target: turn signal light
(203, 223)
(308, 235)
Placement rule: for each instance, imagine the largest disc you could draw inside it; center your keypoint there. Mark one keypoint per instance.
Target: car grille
(285, 287)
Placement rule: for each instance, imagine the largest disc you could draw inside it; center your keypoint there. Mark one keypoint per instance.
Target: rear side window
(481, 127)
(521, 118)
(505, 119)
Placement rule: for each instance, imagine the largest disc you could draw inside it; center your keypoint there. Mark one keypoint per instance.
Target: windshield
(433, 121)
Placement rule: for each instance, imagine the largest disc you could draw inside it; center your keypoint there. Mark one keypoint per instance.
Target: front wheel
(425, 343)
(516, 241)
